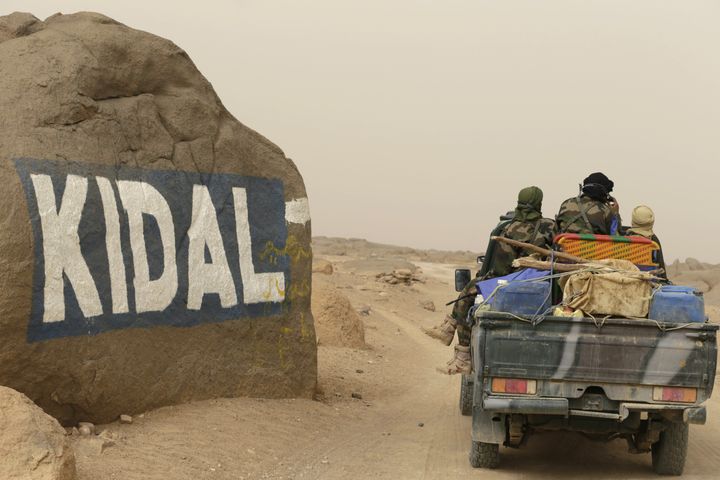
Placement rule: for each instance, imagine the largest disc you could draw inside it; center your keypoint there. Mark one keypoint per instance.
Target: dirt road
(406, 425)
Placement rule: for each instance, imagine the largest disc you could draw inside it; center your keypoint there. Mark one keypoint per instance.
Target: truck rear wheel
(668, 453)
(466, 395)
(484, 455)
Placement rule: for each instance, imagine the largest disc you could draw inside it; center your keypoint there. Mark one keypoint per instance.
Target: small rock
(356, 395)
(322, 266)
(364, 310)
(86, 430)
(428, 305)
(421, 424)
(359, 371)
(126, 419)
(324, 461)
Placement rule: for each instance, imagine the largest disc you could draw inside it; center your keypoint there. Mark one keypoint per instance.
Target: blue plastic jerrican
(523, 298)
(677, 304)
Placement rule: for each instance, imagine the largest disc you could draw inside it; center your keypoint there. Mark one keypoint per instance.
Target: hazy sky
(416, 122)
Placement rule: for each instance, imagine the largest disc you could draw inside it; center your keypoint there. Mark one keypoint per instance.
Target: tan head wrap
(643, 220)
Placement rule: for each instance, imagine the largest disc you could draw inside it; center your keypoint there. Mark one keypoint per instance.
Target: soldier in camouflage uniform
(592, 211)
(528, 226)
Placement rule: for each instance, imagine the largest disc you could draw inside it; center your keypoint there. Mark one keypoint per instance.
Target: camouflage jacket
(585, 215)
(540, 232)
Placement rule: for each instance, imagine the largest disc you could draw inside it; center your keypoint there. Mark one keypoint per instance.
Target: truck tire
(484, 455)
(668, 453)
(466, 395)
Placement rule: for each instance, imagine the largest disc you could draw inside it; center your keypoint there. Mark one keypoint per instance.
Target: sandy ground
(406, 425)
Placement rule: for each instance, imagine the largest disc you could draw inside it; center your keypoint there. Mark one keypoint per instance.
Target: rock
(127, 188)
(336, 322)
(428, 305)
(359, 371)
(85, 431)
(126, 419)
(322, 266)
(421, 424)
(400, 276)
(364, 310)
(402, 273)
(694, 264)
(33, 445)
(91, 446)
(356, 395)
(90, 427)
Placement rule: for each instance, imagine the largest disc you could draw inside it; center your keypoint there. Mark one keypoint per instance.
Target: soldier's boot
(460, 363)
(445, 332)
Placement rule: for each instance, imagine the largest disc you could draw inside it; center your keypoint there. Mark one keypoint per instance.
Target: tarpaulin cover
(486, 287)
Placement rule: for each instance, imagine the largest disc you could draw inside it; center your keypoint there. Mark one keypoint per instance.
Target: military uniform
(526, 226)
(583, 214)
(539, 232)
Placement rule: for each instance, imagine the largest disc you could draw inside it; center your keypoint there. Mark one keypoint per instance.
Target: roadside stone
(33, 445)
(86, 426)
(323, 266)
(428, 305)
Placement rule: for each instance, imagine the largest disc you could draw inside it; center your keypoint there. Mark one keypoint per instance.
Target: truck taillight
(674, 394)
(513, 385)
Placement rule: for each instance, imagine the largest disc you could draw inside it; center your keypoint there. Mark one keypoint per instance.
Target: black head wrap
(597, 186)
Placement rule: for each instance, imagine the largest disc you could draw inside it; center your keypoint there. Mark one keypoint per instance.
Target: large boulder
(153, 249)
(33, 445)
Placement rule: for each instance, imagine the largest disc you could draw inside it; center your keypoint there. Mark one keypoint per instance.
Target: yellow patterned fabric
(601, 249)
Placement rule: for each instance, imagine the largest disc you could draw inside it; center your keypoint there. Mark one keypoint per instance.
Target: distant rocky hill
(359, 247)
(703, 276)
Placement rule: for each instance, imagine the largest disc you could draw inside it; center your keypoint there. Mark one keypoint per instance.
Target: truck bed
(613, 351)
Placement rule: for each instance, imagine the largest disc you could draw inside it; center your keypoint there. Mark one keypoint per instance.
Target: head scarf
(529, 204)
(643, 220)
(597, 186)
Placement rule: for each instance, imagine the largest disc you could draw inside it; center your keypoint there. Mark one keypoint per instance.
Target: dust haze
(416, 122)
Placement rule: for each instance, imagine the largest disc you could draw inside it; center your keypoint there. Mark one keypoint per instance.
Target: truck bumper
(537, 406)
(559, 406)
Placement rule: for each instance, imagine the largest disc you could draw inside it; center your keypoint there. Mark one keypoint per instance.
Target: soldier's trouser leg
(446, 330)
(467, 300)
(463, 333)
(460, 363)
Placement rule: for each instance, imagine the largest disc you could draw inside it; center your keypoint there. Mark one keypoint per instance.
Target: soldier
(643, 220)
(592, 211)
(527, 225)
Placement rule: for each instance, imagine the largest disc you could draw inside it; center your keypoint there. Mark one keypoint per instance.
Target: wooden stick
(528, 262)
(543, 251)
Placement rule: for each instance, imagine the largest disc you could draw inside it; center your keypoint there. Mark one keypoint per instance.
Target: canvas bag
(615, 293)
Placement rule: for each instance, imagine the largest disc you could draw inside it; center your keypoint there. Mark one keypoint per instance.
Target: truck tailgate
(626, 351)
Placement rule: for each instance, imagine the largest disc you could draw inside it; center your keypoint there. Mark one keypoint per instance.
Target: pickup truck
(641, 380)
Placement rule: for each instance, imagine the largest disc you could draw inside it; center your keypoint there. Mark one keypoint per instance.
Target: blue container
(523, 298)
(677, 304)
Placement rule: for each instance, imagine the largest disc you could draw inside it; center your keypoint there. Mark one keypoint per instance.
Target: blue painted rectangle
(268, 232)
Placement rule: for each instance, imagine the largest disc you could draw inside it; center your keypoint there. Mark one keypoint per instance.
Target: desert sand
(380, 411)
